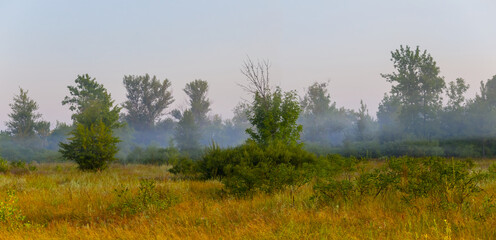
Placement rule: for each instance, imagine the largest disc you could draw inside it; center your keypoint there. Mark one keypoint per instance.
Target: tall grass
(60, 202)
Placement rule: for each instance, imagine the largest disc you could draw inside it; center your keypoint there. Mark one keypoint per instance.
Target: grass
(60, 202)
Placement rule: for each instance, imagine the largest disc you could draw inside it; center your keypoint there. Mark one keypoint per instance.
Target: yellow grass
(60, 202)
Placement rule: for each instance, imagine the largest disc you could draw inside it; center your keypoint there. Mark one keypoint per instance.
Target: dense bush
(91, 148)
(153, 155)
(252, 167)
(449, 182)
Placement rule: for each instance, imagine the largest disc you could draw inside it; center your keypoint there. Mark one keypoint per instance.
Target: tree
(456, 91)
(200, 104)
(147, 98)
(364, 123)
(91, 148)
(273, 115)
(323, 122)
(187, 133)
(87, 94)
(24, 121)
(481, 113)
(454, 117)
(388, 118)
(317, 100)
(418, 86)
(92, 144)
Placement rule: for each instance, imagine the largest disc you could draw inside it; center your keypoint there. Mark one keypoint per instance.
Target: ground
(57, 201)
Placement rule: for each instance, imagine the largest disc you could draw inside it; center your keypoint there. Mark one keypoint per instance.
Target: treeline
(421, 115)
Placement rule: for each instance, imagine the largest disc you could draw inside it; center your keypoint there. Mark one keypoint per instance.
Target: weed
(10, 214)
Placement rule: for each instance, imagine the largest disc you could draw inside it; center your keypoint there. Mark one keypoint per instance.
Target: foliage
(92, 144)
(251, 167)
(418, 86)
(322, 121)
(10, 214)
(24, 122)
(187, 132)
(448, 182)
(91, 103)
(153, 155)
(200, 104)
(146, 198)
(147, 98)
(185, 167)
(274, 118)
(4, 165)
(91, 148)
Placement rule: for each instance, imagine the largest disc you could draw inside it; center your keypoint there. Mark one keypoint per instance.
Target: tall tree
(25, 122)
(323, 123)
(200, 104)
(317, 100)
(272, 114)
(187, 134)
(147, 98)
(388, 118)
(418, 86)
(364, 123)
(455, 92)
(92, 144)
(481, 113)
(454, 117)
(86, 94)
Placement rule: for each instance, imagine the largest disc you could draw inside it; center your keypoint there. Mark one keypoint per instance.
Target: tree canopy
(147, 99)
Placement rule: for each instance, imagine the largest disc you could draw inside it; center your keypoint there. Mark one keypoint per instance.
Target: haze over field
(45, 45)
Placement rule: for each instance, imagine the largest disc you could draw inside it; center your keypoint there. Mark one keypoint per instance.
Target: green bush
(185, 167)
(18, 164)
(91, 148)
(153, 155)
(4, 165)
(145, 199)
(448, 182)
(252, 167)
(10, 214)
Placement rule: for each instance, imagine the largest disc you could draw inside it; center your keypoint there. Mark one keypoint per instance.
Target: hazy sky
(44, 45)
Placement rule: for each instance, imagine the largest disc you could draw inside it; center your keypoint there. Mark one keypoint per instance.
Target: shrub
(252, 167)
(147, 197)
(446, 181)
(153, 155)
(91, 148)
(10, 214)
(4, 165)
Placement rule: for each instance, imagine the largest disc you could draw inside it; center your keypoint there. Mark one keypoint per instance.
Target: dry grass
(60, 202)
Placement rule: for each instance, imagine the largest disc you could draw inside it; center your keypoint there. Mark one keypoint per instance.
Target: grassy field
(57, 201)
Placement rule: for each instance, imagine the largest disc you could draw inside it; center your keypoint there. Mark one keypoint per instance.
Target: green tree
(147, 98)
(92, 144)
(317, 100)
(455, 92)
(481, 113)
(91, 148)
(25, 122)
(454, 117)
(86, 94)
(418, 86)
(273, 115)
(388, 118)
(364, 123)
(187, 134)
(200, 104)
(324, 123)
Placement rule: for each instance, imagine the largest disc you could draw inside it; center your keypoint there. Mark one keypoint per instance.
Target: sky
(44, 45)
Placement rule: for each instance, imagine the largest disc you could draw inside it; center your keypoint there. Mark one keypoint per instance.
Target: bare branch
(257, 76)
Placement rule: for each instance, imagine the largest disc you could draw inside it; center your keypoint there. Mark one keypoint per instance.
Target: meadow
(58, 201)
